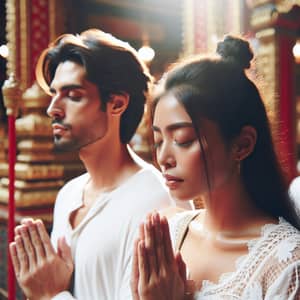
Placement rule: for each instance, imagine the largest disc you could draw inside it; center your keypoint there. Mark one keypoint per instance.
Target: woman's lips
(172, 182)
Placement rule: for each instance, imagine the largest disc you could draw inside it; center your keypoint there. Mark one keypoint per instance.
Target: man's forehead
(69, 74)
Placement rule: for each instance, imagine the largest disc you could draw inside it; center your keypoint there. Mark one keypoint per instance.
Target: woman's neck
(232, 211)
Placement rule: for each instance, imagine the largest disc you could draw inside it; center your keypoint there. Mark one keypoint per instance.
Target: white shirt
(102, 244)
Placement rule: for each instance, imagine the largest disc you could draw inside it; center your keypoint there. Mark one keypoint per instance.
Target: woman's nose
(165, 157)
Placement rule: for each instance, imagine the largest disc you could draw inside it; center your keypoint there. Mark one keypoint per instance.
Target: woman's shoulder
(281, 242)
(178, 212)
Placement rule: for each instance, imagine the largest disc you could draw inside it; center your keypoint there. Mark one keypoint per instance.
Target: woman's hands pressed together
(157, 273)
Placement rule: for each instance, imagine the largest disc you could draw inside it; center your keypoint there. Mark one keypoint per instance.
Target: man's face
(75, 108)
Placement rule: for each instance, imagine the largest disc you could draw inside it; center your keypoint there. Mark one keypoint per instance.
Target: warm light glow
(146, 54)
(4, 51)
(296, 51)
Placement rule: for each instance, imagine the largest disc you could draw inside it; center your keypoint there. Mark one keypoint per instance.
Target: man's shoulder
(149, 178)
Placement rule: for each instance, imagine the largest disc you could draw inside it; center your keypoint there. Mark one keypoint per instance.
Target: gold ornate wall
(277, 24)
(206, 21)
(30, 26)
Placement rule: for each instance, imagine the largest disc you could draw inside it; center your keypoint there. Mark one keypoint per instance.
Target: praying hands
(40, 271)
(157, 273)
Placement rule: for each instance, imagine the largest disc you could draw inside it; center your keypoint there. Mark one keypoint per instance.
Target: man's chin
(64, 147)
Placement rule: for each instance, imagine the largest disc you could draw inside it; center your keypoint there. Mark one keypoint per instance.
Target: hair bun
(236, 50)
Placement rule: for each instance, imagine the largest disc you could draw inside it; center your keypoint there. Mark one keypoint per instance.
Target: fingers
(64, 251)
(45, 239)
(167, 241)
(143, 262)
(141, 231)
(33, 243)
(36, 241)
(28, 246)
(181, 266)
(22, 257)
(26, 221)
(158, 241)
(14, 258)
(149, 231)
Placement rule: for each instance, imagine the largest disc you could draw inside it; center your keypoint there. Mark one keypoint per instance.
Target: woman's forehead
(169, 108)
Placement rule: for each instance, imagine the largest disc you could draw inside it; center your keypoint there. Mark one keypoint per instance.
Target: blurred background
(162, 31)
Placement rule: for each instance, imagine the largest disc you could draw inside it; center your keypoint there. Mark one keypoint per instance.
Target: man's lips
(58, 129)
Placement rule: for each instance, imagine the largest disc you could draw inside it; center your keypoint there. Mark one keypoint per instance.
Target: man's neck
(108, 168)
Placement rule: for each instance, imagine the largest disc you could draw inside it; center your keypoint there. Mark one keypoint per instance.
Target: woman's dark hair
(217, 88)
(110, 63)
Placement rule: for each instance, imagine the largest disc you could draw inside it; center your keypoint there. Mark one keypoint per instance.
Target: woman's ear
(117, 104)
(244, 144)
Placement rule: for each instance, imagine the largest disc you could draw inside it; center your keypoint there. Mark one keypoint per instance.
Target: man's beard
(72, 145)
(68, 146)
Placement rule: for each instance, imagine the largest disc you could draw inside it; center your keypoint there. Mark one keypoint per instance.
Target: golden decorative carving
(25, 63)
(2, 145)
(30, 198)
(255, 3)
(12, 10)
(30, 185)
(11, 95)
(26, 171)
(35, 99)
(266, 62)
(263, 16)
(3, 169)
(46, 216)
(34, 125)
(284, 6)
(266, 12)
(204, 24)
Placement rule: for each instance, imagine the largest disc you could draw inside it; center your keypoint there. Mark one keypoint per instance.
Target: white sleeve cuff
(63, 296)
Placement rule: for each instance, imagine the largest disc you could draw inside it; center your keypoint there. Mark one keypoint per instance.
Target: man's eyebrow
(174, 126)
(66, 87)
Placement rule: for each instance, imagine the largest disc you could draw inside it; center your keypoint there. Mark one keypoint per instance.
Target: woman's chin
(184, 197)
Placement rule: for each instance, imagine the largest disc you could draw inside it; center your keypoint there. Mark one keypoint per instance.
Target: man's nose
(55, 109)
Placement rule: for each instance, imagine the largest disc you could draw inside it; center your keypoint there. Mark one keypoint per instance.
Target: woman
(213, 140)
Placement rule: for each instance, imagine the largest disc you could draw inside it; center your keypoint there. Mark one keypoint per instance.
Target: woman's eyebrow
(174, 126)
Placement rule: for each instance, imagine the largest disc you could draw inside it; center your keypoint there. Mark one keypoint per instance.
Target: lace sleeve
(283, 277)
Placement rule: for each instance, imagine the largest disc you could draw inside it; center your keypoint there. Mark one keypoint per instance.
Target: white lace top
(270, 270)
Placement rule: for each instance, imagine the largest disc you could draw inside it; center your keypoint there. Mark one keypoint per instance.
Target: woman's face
(179, 153)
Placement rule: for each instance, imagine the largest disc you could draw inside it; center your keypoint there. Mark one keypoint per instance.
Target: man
(98, 88)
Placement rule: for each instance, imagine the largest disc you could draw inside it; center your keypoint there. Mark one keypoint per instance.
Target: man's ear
(117, 104)
(244, 144)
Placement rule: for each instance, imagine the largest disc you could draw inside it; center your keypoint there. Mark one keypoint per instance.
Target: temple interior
(162, 31)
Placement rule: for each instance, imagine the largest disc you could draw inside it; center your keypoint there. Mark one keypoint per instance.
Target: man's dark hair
(111, 64)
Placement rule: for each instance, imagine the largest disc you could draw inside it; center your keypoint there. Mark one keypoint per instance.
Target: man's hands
(156, 272)
(41, 272)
